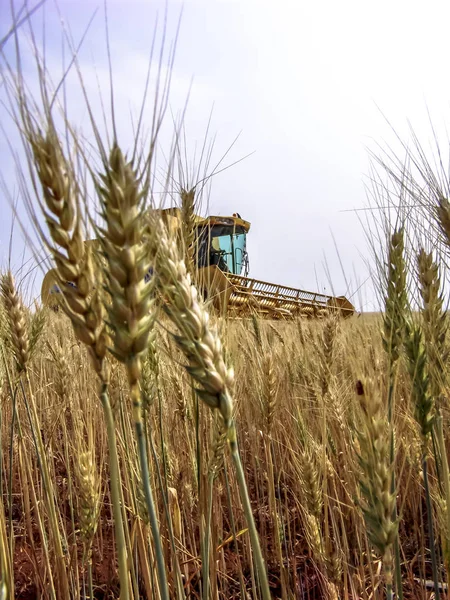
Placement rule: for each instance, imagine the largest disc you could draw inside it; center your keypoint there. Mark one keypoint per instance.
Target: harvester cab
(222, 242)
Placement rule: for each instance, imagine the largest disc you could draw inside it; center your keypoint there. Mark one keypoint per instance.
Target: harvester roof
(234, 220)
(215, 220)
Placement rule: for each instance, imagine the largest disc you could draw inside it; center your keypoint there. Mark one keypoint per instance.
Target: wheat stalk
(393, 334)
(424, 412)
(203, 350)
(131, 311)
(76, 265)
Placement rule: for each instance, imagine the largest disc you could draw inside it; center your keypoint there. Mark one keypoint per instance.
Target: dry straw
(18, 339)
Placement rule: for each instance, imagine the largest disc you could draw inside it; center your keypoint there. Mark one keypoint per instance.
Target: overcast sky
(300, 80)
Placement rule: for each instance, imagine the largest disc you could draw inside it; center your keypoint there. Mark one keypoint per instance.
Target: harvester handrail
(315, 295)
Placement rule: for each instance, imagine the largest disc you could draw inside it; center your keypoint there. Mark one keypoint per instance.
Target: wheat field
(300, 422)
(153, 448)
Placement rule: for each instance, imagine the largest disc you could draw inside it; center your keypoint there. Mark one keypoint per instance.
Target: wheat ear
(377, 497)
(196, 338)
(418, 370)
(435, 321)
(424, 412)
(89, 486)
(443, 218)
(393, 334)
(329, 336)
(61, 210)
(396, 305)
(435, 325)
(16, 332)
(188, 227)
(269, 390)
(131, 311)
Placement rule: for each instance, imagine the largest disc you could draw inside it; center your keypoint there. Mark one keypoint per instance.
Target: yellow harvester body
(221, 267)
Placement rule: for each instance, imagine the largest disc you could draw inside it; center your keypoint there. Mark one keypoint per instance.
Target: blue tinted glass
(239, 250)
(224, 245)
(232, 248)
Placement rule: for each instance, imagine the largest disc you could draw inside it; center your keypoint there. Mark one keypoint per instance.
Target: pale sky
(300, 80)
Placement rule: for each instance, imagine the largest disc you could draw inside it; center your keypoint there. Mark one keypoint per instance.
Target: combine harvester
(221, 275)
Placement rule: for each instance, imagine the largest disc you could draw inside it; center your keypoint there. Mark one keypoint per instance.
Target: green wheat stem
(115, 494)
(233, 524)
(445, 475)
(10, 483)
(129, 545)
(163, 445)
(197, 440)
(260, 566)
(150, 504)
(387, 560)
(207, 538)
(397, 558)
(430, 523)
(389, 595)
(180, 590)
(90, 581)
(13, 394)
